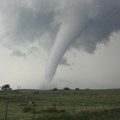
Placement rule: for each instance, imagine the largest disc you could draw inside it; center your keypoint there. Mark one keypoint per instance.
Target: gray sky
(35, 35)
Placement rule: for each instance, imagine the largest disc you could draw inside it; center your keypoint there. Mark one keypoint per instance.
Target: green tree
(77, 89)
(55, 89)
(6, 87)
(66, 88)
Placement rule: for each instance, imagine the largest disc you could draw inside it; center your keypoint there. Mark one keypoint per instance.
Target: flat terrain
(60, 104)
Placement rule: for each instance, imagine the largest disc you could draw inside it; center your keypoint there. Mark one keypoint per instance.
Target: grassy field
(60, 105)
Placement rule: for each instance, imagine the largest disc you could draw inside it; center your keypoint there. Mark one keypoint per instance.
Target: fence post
(6, 110)
(95, 107)
(103, 106)
(74, 108)
(86, 107)
(110, 106)
(34, 111)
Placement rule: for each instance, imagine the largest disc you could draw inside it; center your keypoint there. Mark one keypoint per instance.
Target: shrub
(55, 89)
(87, 89)
(77, 89)
(66, 88)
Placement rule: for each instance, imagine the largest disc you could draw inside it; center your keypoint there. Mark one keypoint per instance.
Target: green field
(60, 105)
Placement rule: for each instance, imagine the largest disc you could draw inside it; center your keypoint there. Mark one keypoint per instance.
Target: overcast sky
(46, 44)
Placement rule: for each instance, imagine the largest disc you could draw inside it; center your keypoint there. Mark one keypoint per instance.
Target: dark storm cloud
(58, 24)
(100, 30)
(21, 23)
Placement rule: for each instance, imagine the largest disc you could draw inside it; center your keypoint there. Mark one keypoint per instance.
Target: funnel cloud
(57, 25)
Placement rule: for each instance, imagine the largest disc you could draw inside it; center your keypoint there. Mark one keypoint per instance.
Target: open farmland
(60, 104)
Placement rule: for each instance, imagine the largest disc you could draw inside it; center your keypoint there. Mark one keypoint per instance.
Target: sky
(46, 44)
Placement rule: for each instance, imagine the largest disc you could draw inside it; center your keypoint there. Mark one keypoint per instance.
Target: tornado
(65, 37)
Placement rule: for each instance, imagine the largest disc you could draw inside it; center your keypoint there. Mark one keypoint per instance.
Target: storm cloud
(58, 25)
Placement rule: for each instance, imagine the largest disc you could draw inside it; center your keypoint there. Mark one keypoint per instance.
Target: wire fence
(11, 110)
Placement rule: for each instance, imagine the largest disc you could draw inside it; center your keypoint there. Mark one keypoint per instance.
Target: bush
(55, 89)
(66, 88)
(87, 89)
(77, 89)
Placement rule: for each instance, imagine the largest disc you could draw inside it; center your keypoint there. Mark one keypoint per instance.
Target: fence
(12, 110)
